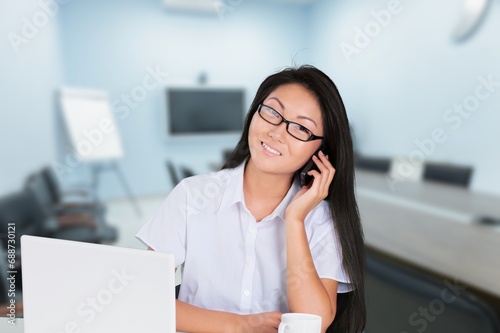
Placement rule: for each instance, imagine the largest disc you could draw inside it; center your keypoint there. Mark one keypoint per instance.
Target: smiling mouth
(271, 150)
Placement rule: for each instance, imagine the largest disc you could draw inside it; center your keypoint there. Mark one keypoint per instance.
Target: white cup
(300, 323)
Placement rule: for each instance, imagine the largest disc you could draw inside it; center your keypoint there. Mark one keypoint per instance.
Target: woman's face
(272, 148)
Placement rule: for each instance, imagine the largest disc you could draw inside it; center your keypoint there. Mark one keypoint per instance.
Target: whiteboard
(90, 124)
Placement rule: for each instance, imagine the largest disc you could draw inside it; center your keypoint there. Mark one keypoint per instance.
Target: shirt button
(251, 231)
(246, 293)
(248, 261)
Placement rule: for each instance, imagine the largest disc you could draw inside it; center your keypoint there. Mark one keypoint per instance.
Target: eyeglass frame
(287, 122)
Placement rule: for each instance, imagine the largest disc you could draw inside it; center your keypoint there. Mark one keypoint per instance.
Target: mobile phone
(310, 165)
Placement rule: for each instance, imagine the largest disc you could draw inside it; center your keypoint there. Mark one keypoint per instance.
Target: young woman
(253, 242)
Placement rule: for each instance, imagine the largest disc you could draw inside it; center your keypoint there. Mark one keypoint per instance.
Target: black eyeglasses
(296, 130)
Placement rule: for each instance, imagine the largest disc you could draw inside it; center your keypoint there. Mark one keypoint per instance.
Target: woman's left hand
(312, 194)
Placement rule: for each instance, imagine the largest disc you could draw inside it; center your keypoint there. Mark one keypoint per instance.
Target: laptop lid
(76, 287)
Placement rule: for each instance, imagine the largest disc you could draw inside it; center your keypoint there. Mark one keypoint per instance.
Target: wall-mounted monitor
(204, 111)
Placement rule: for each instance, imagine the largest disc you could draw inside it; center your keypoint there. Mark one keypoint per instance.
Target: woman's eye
(302, 128)
(273, 112)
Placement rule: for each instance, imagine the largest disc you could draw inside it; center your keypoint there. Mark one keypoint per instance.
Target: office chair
(377, 164)
(449, 174)
(84, 223)
(79, 199)
(4, 284)
(226, 155)
(89, 208)
(174, 178)
(186, 172)
(401, 299)
(17, 210)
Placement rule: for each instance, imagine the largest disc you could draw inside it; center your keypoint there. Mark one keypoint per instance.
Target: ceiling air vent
(194, 6)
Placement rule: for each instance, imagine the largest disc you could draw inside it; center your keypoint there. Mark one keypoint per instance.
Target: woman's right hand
(266, 322)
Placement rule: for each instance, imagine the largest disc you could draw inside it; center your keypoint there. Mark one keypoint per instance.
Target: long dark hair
(351, 311)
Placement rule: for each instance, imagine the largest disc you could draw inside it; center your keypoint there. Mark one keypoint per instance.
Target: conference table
(433, 226)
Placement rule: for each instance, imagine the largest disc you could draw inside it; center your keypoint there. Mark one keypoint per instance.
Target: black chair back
(52, 184)
(449, 174)
(186, 172)
(174, 178)
(22, 210)
(37, 186)
(378, 164)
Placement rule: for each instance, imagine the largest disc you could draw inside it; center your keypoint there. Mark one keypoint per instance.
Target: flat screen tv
(204, 111)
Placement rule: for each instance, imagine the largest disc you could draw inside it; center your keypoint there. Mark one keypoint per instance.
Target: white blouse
(231, 262)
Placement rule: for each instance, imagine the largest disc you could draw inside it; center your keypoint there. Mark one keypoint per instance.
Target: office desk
(5, 327)
(432, 226)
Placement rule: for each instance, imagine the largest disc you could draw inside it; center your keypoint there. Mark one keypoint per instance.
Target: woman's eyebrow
(279, 102)
(307, 118)
(300, 117)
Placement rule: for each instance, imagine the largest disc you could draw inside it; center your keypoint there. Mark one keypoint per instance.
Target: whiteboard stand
(93, 133)
(113, 166)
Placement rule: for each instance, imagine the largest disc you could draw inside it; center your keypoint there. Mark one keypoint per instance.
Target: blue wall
(109, 45)
(401, 86)
(398, 89)
(30, 73)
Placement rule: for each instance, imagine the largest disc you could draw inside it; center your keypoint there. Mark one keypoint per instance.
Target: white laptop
(89, 288)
